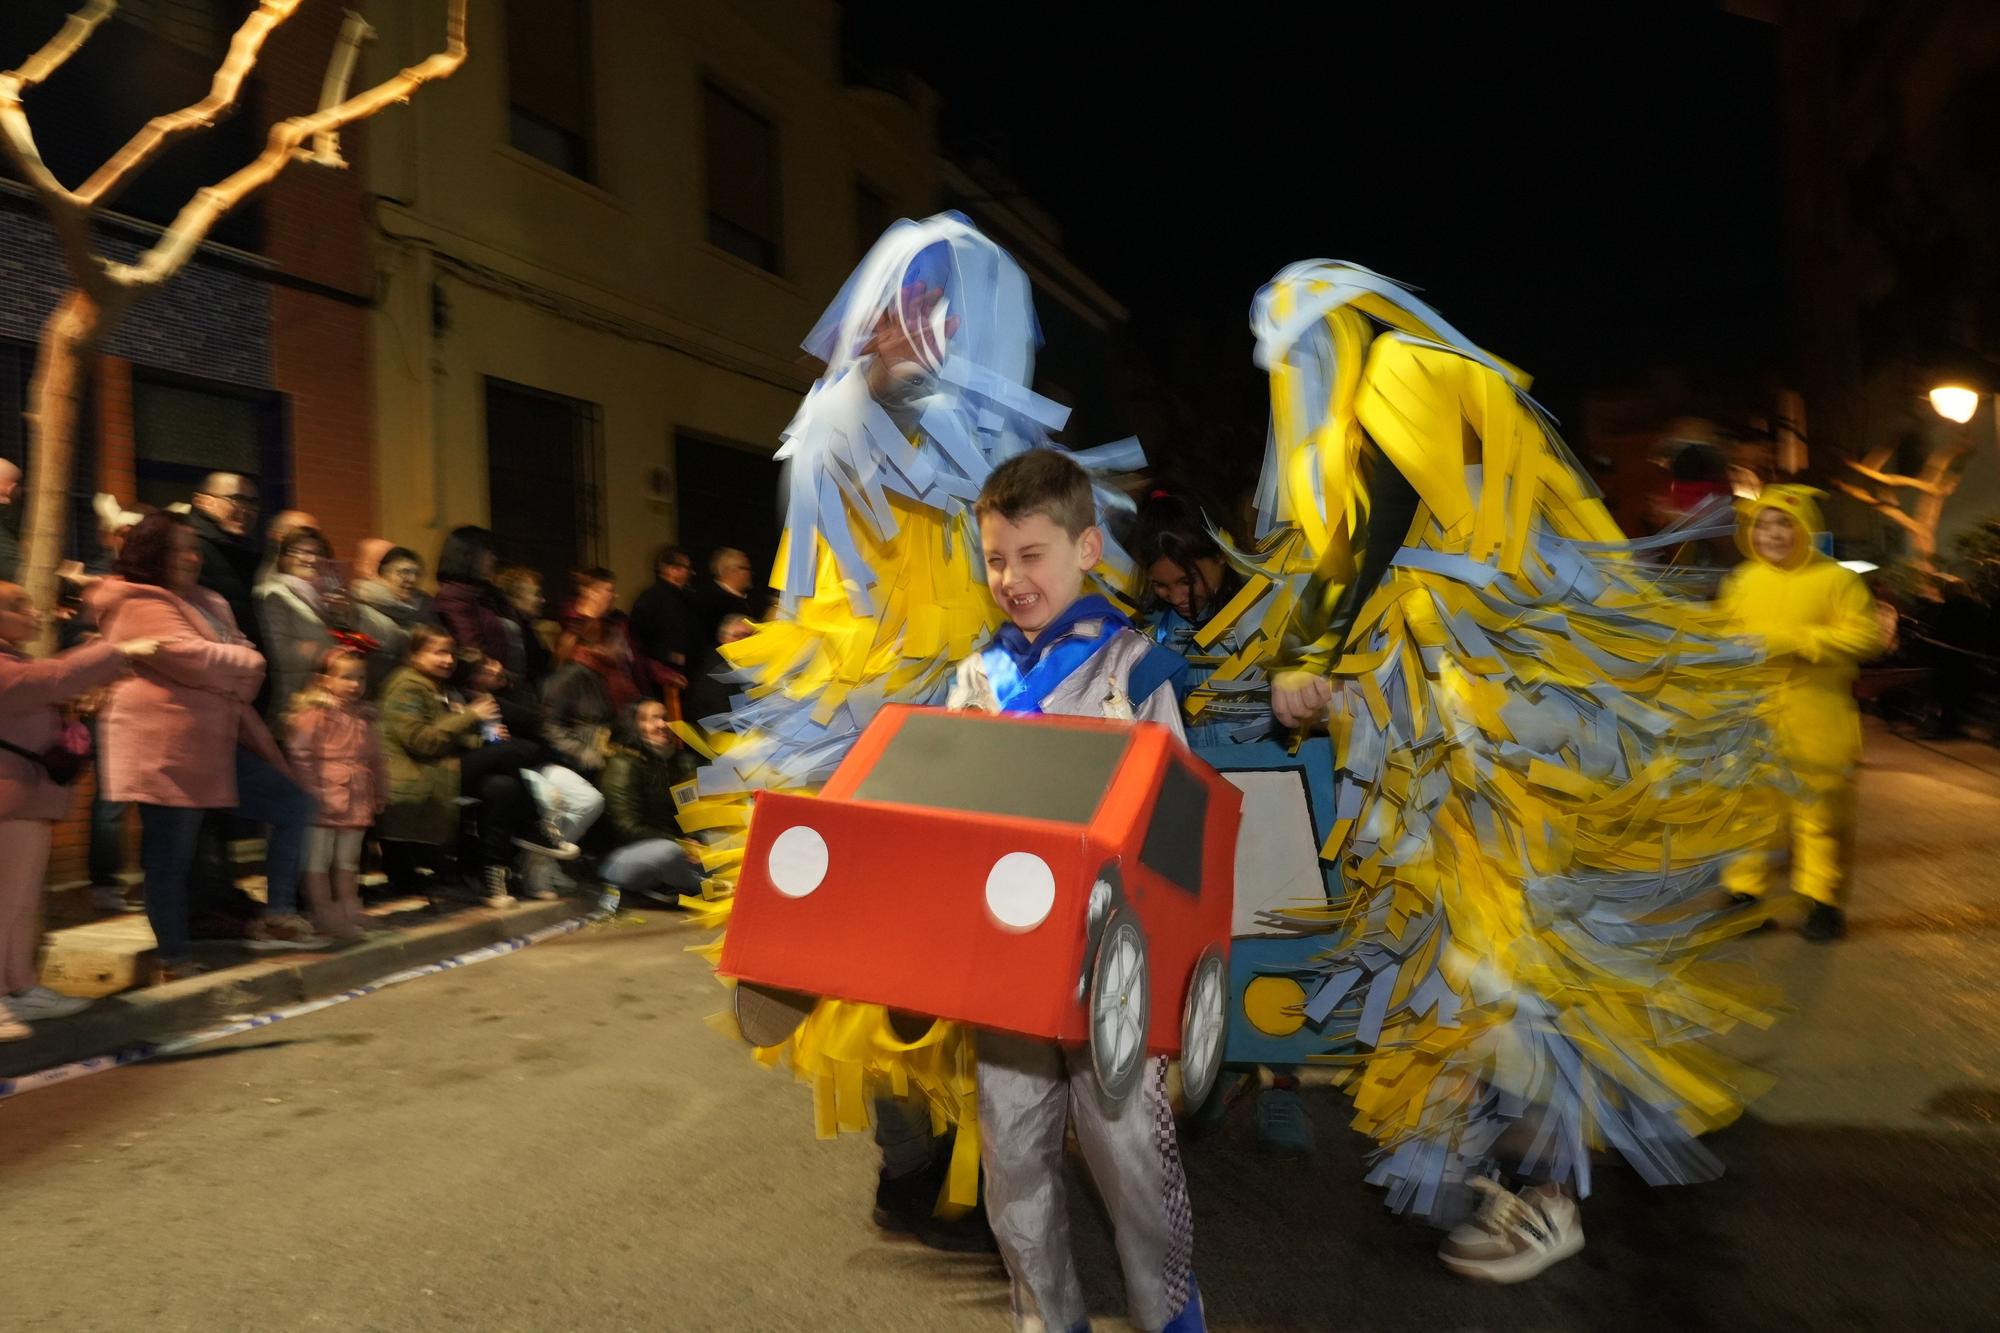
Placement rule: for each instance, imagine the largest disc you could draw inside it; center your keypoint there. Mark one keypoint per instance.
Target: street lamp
(1955, 402)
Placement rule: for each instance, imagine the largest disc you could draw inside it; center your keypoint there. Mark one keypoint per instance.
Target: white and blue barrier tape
(45, 1078)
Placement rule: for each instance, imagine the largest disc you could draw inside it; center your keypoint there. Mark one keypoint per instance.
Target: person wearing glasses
(224, 517)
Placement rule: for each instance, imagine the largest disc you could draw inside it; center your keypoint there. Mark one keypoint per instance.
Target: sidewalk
(108, 954)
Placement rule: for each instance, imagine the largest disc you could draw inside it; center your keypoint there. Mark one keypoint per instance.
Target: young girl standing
(338, 758)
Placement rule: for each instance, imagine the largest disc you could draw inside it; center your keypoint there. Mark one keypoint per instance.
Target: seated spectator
(386, 601)
(727, 592)
(430, 742)
(469, 605)
(707, 694)
(181, 738)
(534, 633)
(665, 631)
(300, 607)
(594, 635)
(33, 794)
(647, 857)
(566, 801)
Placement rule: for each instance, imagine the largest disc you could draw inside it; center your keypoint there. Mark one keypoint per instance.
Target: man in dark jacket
(727, 593)
(666, 630)
(224, 518)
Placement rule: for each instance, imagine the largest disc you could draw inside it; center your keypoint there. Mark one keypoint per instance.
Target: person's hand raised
(484, 708)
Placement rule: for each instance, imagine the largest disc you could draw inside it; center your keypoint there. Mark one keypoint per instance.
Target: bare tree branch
(1888, 508)
(244, 48)
(1931, 483)
(211, 204)
(76, 30)
(339, 70)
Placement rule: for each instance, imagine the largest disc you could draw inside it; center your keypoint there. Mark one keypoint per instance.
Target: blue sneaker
(1191, 1318)
(1282, 1123)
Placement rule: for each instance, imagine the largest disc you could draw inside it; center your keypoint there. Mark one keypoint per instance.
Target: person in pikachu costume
(1817, 622)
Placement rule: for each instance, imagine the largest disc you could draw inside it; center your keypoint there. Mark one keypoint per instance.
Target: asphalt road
(556, 1140)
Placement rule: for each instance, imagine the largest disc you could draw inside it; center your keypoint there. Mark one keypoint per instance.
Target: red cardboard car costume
(1090, 906)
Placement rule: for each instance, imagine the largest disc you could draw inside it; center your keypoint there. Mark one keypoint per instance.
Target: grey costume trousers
(1028, 1092)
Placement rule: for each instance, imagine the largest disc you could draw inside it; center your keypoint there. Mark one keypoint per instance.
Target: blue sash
(1018, 693)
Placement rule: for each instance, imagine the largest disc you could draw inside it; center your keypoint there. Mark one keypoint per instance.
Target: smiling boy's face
(1034, 568)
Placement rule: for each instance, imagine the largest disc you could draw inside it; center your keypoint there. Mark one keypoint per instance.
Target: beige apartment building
(597, 249)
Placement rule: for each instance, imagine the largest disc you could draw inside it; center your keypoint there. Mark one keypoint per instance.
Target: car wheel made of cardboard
(1204, 1026)
(767, 1015)
(1121, 1005)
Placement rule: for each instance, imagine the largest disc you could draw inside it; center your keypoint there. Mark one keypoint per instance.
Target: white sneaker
(39, 1002)
(1514, 1236)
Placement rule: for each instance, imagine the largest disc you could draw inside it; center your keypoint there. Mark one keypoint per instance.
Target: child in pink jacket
(337, 758)
(31, 724)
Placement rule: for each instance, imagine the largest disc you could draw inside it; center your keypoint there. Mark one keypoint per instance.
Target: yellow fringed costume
(1545, 758)
(882, 593)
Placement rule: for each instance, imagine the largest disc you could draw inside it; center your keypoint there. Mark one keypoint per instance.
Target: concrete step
(245, 983)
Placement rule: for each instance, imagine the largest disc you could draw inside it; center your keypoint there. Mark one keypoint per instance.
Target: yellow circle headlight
(1275, 1006)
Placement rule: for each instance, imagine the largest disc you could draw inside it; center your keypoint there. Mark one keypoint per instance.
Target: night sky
(1588, 191)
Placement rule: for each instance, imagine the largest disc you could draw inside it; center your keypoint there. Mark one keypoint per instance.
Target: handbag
(64, 760)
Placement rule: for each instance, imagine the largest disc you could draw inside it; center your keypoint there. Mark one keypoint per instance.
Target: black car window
(981, 765)
(1174, 838)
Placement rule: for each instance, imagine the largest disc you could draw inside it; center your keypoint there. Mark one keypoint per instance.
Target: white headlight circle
(1020, 890)
(796, 861)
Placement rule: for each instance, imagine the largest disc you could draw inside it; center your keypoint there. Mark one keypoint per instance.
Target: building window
(544, 459)
(548, 83)
(872, 215)
(183, 430)
(742, 180)
(723, 496)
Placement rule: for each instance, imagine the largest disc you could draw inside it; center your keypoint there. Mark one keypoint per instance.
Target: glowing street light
(1955, 402)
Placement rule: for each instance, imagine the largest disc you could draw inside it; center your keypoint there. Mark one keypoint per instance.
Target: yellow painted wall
(697, 339)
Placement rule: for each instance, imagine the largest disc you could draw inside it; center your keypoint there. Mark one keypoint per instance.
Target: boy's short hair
(1041, 481)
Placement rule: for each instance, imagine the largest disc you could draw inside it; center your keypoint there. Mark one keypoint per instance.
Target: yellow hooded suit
(1818, 624)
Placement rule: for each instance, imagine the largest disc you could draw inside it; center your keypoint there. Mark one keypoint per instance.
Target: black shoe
(904, 1207)
(1824, 923)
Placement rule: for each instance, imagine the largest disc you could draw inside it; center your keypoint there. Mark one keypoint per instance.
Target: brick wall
(303, 332)
(316, 229)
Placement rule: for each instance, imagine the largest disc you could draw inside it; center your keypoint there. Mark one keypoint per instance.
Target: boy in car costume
(1062, 652)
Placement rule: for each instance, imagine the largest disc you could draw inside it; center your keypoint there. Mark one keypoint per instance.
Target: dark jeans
(166, 850)
(505, 809)
(266, 796)
(107, 840)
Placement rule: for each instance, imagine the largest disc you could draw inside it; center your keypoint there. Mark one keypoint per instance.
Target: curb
(145, 1017)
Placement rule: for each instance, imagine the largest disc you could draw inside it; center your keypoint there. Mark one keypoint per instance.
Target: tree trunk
(55, 400)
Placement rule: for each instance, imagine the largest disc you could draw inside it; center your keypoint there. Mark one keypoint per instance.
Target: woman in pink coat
(30, 800)
(181, 738)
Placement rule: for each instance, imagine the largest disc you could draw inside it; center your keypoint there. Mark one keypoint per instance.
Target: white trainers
(39, 1002)
(1514, 1236)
